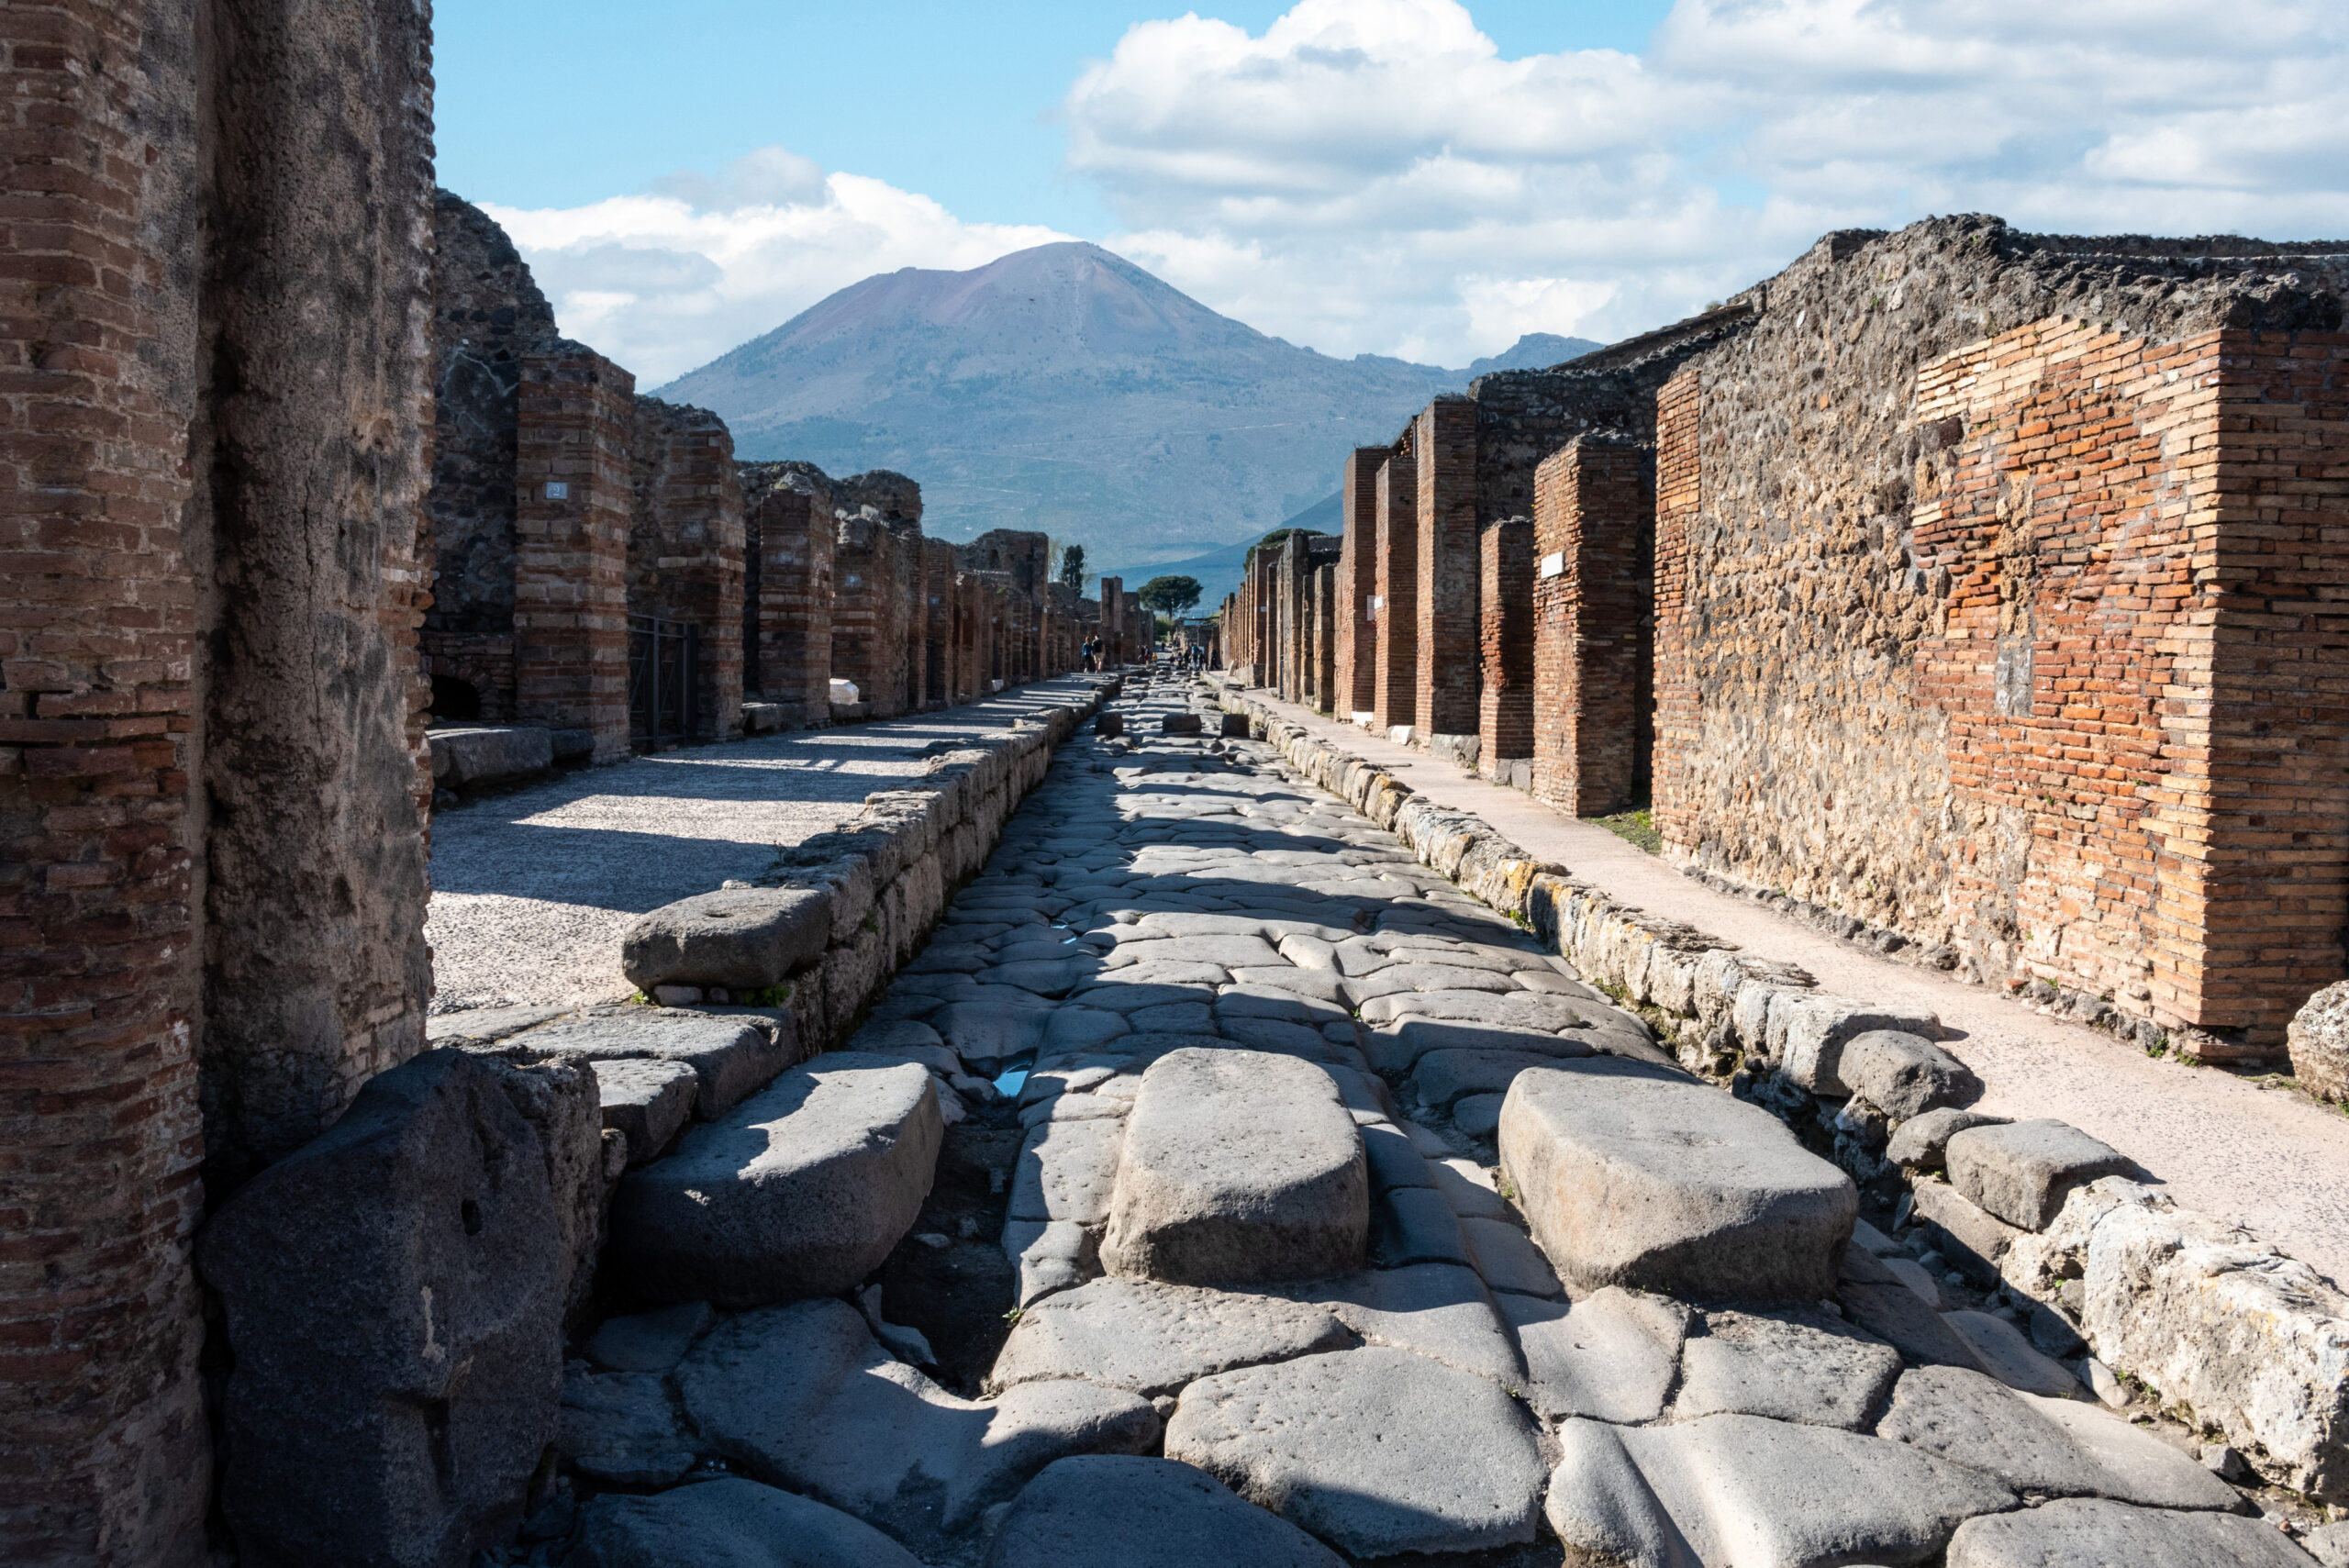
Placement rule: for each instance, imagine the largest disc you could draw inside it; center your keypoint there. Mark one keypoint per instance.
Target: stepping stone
(1440, 1310)
(621, 1427)
(2010, 1358)
(1153, 1338)
(1374, 1450)
(1444, 1077)
(2084, 1534)
(1633, 1177)
(1398, 1047)
(648, 1341)
(1610, 1356)
(731, 1058)
(1740, 1490)
(1119, 1511)
(1905, 1075)
(1238, 1165)
(1791, 1365)
(2062, 1448)
(1066, 1169)
(801, 1190)
(1507, 1260)
(2021, 1172)
(802, 1396)
(1275, 1034)
(729, 1523)
(646, 1102)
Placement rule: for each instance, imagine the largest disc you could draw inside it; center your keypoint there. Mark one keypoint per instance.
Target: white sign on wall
(1554, 565)
(558, 491)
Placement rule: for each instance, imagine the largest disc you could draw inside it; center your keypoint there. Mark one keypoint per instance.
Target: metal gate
(663, 676)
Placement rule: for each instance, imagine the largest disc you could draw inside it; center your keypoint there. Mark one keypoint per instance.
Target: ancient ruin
(1139, 1131)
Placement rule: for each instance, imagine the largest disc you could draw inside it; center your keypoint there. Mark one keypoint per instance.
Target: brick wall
(1394, 686)
(686, 547)
(575, 422)
(1357, 640)
(1325, 638)
(1593, 645)
(868, 630)
(794, 545)
(1446, 450)
(938, 622)
(1505, 628)
(1679, 715)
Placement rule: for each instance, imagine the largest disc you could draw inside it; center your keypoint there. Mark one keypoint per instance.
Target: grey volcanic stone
(1153, 1338)
(1238, 1165)
(987, 1032)
(1881, 1302)
(648, 1341)
(646, 1101)
(393, 1294)
(799, 1191)
(1066, 1169)
(1792, 1365)
(2075, 1533)
(1441, 1077)
(1415, 1225)
(1050, 1255)
(1738, 1489)
(1469, 1191)
(1906, 1075)
(801, 1397)
(1479, 1116)
(1393, 1161)
(479, 754)
(2318, 1041)
(2062, 1448)
(1632, 1177)
(1374, 1450)
(1180, 724)
(1507, 1259)
(2010, 1358)
(1922, 1142)
(1440, 1310)
(621, 1427)
(731, 1058)
(1610, 1356)
(1117, 1511)
(1971, 1238)
(731, 1523)
(747, 937)
(2023, 1172)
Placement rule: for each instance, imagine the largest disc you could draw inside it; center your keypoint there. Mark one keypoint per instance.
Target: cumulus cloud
(671, 278)
(1462, 196)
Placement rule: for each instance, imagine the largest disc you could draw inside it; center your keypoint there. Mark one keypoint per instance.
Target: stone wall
(573, 499)
(1357, 640)
(686, 547)
(792, 535)
(1444, 448)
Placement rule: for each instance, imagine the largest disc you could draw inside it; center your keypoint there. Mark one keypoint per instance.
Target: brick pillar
(868, 614)
(1679, 406)
(1112, 594)
(686, 547)
(576, 415)
(1394, 689)
(938, 622)
(795, 546)
(906, 624)
(1357, 650)
(1326, 621)
(1448, 669)
(1505, 713)
(1593, 590)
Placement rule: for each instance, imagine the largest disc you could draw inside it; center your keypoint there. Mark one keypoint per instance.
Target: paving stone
(1508, 1258)
(2063, 1448)
(648, 1341)
(1071, 1027)
(1066, 1169)
(1275, 1034)
(2010, 1357)
(801, 1190)
(620, 1428)
(2023, 1171)
(1045, 977)
(1630, 1177)
(1321, 984)
(646, 1102)
(1917, 1278)
(1970, 1238)
(1049, 1255)
(1151, 1339)
(1029, 946)
(1119, 1511)
(1128, 991)
(728, 1523)
(1478, 1115)
(1514, 1010)
(1878, 1302)
(1227, 949)
(1469, 1191)
(988, 1031)
(1440, 1310)
(731, 1059)
(802, 1396)
(1610, 1356)
(1393, 1161)
(1442, 1078)
(1194, 1018)
(1905, 1075)
(1310, 953)
(1278, 1002)
(1238, 1167)
(1415, 1225)
(1738, 1490)
(2080, 1533)
(1791, 1364)
(1398, 1047)
(1374, 1450)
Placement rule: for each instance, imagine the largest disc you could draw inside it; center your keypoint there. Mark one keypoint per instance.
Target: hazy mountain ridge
(1066, 389)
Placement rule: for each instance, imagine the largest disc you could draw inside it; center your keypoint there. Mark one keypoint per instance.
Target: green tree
(1073, 566)
(1171, 596)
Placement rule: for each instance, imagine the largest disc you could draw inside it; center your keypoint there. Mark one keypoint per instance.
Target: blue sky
(1425, 178)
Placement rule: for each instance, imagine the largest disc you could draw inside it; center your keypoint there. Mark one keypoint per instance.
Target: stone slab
(1153, 1338)
(1610, 1356)
(2021, 1172)
(647, 1341)
(728, 1523)
(1066, 1169)
(743, 938)
(1439, 1310)
(1905, 1075)
(1123, 1511)
(732, 1058)
(2080, 1533)
(621, 1427)
(646, 1101)
(2006, 1354)
(1792, 1364)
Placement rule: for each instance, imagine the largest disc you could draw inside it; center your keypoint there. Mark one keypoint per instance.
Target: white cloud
(664, 282)
(1374, 176)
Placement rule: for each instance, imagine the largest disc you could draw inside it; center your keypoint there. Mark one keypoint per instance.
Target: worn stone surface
(1440, 1310)
(646, 1100)
(463, 755)
(728, 1523)
(1791, 1365)
(1634, 1178)
(2081, 1533)
(801, 1190)
(2006, 1354)
(1923, 1141)
(1974, 1240)
(2318, 1040)
(1610, 1356)
(1238, 1167)
(1153, 1338)
(731, 1057)
(621, 1427)
(1374, 1450)
(1905, 1075)
(1068, 1169)
(742, 938)
(1113, 1511)
(647, 1341)
(2022, 1171)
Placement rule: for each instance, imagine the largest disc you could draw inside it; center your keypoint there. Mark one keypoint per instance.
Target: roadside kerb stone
(2021, 1171)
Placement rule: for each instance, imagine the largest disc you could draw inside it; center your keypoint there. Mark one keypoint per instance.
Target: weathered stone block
(2318, 1041)
(1905, 1075)
(743, 938)
(463, 757)
(2022, 1171)
(1971, 1238)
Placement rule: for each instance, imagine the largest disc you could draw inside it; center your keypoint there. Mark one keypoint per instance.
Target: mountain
(1066, 389)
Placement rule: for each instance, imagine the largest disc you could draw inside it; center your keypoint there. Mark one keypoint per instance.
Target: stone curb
(2227, 1330)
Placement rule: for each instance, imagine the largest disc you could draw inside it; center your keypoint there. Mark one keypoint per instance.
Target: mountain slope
(1064, 388)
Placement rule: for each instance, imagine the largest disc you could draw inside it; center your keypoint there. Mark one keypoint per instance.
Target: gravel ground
(2269, 1159)
(534, 889)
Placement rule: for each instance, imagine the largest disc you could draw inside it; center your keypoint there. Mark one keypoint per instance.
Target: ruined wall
(938, 622)
(1592, 644)
(1505, 648)
(1444, 446)
(1395, 684)
(1968, 513)
(868, 617)
(1357, 638)
(791, 506)
(686, 547)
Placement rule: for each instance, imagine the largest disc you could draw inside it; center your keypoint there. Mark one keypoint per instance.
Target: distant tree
(1073, 566)
(1171, 596)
